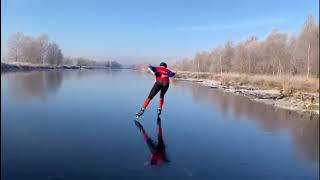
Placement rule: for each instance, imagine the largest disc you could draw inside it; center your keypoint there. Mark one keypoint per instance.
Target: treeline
(71, 61)
(40, 51)
(277, 54)
(34, 50)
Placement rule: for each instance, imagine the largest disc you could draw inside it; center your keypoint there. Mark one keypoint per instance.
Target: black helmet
(163, 64)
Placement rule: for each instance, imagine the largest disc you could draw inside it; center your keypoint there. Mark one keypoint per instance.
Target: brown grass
(283, 82)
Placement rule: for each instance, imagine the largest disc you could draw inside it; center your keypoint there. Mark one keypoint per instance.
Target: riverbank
(293, 93)
(8, 67)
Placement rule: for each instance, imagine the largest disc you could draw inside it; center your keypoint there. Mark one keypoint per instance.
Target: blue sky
(144, 29)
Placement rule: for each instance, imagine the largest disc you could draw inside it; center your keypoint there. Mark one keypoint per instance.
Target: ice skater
(162, 75)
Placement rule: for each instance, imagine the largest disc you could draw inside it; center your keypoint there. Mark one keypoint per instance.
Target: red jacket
(162, 74)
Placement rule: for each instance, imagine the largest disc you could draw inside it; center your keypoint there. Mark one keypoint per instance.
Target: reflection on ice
(157, 150)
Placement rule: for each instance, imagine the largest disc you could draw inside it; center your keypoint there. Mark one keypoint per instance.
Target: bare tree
(43, 41)
(15, 43)
(227, 56)
(35, 49)
(308, 44)
(54, 55)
